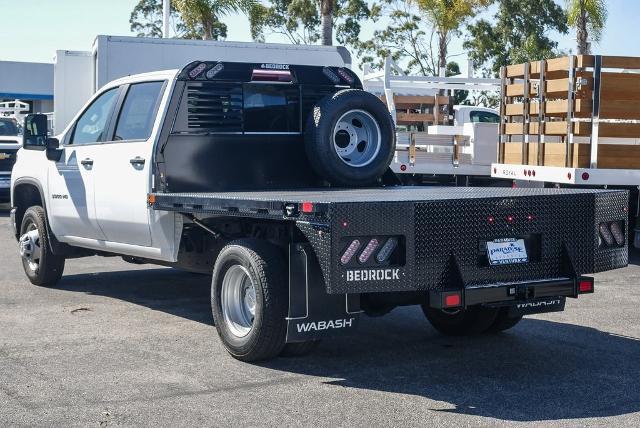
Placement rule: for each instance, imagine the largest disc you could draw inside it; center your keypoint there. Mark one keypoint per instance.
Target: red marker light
(569, 175)
(530, 217)
(452, 300)
(585, 286)
(345, 224)
(491, 219)
(403, 167)
(510, 219)
(307, 207)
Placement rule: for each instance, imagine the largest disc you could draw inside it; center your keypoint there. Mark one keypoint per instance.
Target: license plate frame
(507, 251)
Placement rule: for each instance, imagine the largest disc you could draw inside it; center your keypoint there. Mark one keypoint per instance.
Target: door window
(91, 126)
(484, 117)
(138, 112)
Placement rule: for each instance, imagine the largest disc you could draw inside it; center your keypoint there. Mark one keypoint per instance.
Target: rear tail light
(259, 75)
(350, 252)
(585, 285)
(616, 230)
(368, 250)
(606, 234)
(386, 250)
(612, 234)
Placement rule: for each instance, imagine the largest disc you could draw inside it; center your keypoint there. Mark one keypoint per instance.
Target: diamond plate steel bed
(443, 231)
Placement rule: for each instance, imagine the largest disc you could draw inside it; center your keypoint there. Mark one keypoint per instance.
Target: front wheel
(249, 299)
(40, 264)
(461, 322)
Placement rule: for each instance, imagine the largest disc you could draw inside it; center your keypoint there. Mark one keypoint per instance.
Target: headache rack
(576, 119)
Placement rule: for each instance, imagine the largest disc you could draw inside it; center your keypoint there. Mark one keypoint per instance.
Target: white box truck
(79, 74)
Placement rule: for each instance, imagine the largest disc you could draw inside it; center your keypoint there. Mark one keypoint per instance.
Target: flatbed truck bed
(273, 203)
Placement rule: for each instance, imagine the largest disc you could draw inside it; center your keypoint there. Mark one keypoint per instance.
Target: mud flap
(314, 314)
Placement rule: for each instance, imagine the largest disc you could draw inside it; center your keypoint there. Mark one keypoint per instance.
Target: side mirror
(35, 132)
(53, 151)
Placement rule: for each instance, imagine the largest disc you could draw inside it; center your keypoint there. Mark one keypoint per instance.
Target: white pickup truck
(275, 179)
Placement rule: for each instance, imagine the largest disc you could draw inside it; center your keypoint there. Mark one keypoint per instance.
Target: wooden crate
(567, 97)
(410, 109)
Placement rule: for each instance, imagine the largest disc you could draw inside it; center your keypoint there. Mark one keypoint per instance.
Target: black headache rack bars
(436, 239)
(217, 71)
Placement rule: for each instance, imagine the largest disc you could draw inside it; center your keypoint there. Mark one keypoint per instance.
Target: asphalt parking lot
(120, 344)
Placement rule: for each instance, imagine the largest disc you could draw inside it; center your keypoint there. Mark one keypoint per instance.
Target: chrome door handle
(137, 161)
(87, 162)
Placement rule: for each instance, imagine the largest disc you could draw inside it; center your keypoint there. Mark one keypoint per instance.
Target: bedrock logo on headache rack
(373, 275)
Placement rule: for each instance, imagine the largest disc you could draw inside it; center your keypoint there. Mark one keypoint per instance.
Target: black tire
(319, 138)
(49, 267)
(264, 265)
(465, 322)
(299, 349)
(503, 321)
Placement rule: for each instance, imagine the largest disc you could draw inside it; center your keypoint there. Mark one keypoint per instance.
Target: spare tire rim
(30, 248)
(238, 299)
(357, 138)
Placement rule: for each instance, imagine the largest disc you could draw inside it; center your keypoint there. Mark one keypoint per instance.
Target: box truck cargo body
(78, 75)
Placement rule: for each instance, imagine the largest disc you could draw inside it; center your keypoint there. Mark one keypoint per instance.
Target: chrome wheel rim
(238, 298)
(357, 138)
(30, 249)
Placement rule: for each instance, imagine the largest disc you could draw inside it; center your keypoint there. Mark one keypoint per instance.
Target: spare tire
(350, 138)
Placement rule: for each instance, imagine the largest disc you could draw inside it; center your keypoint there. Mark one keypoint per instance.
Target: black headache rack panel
(266, 72)
(438, 235)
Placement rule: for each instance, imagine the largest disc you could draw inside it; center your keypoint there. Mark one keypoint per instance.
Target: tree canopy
(521, 31)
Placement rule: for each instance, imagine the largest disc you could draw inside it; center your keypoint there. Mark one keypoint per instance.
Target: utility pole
(166, 12)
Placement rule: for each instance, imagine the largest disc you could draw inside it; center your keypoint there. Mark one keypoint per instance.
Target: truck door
(123, 166)
(70, 180)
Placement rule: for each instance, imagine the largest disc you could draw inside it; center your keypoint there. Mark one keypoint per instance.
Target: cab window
(484, 117)
(92, 124)
(138, 112)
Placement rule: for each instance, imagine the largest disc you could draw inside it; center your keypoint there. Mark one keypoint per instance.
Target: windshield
(8, 127)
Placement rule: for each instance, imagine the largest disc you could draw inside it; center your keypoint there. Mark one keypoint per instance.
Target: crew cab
(274, 179)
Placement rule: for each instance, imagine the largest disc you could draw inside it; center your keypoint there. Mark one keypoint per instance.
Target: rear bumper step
(529, 295)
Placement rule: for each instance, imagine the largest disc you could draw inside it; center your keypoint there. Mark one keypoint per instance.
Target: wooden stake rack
(423, 109)
(577, 100)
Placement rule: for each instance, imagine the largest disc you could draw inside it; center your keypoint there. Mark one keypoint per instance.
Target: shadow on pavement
(540, 370)
(168, 290)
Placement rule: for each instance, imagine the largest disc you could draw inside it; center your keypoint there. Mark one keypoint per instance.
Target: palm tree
(203, 16)
(326, 22)
(587, 17)
(446, 17)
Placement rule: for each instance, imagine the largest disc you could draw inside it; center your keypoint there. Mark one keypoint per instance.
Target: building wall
(27, 81)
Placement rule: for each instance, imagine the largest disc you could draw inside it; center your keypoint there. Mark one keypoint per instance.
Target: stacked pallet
(424, 110)
(575, 111)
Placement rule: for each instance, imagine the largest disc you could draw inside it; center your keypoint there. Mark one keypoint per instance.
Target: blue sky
(31, 30)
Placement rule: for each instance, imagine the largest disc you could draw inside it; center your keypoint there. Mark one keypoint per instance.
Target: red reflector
(452, 300)
(585, 176)
(403, 167)
(307, 207)
(585, 286)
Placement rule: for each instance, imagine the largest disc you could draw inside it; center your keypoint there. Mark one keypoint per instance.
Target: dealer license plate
(507, 251)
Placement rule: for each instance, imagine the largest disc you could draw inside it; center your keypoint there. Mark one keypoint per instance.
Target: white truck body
(79, 74)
